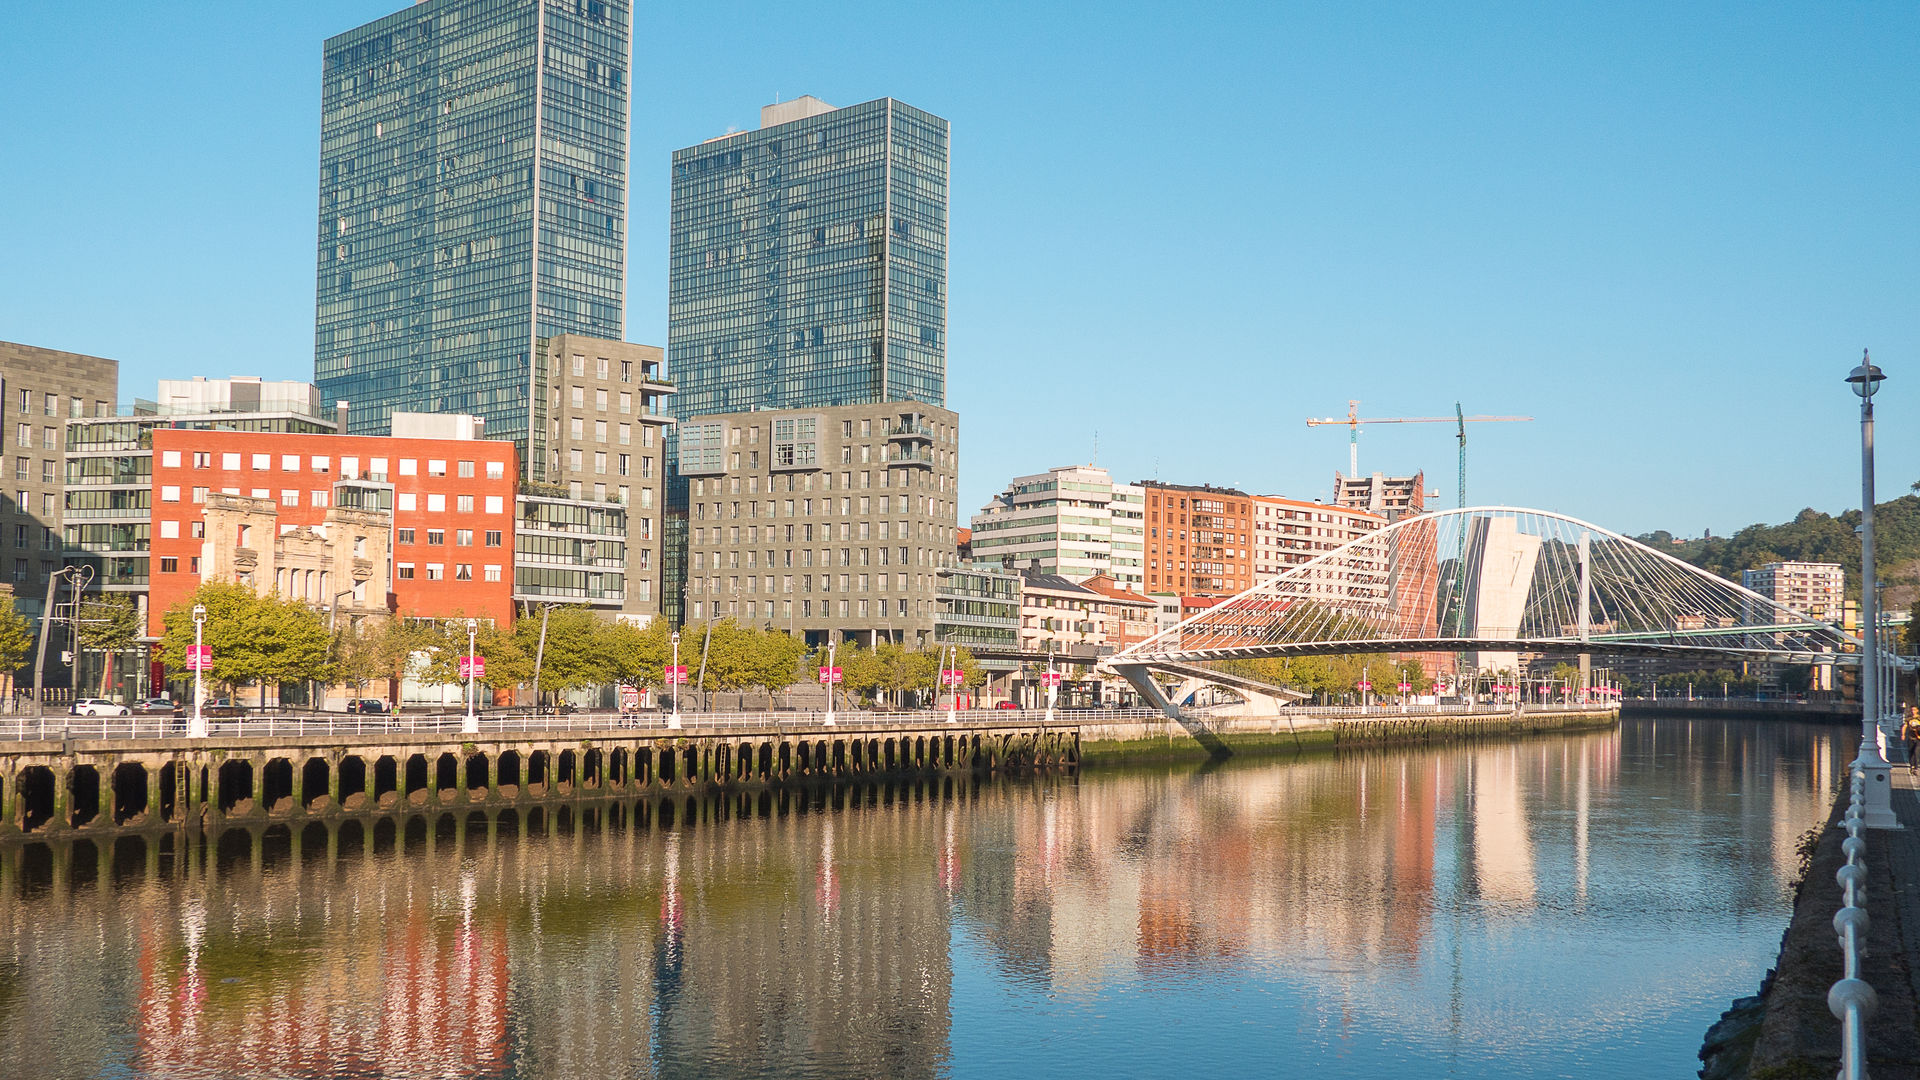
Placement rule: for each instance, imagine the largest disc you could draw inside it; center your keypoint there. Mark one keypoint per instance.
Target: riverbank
(1156, 739)
(1787, 1030)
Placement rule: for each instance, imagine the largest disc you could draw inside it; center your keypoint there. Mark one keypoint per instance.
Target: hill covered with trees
(1813, 536)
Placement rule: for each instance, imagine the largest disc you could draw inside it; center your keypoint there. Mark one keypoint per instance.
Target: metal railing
(1852, 999)
(302, 725)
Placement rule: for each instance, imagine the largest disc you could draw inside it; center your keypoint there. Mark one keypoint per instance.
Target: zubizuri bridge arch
(1486, 584)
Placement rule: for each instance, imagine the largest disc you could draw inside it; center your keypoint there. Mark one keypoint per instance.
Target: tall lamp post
(675, 676)
(1878, 805)
(472, 726)
(197, 729)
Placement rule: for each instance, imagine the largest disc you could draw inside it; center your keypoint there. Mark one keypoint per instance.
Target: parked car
(223, 707)
(1007, 705)
(93, 706)
(158, 706)
(366, 705)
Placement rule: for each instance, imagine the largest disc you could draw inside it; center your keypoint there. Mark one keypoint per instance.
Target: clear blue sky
(1664, 230)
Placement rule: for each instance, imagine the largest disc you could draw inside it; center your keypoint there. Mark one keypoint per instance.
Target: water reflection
(1540, 907)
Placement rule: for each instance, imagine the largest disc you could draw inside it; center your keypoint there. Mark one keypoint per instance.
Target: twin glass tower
(473, 202)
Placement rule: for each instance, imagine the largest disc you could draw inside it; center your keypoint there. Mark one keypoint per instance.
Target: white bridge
(1487, 584)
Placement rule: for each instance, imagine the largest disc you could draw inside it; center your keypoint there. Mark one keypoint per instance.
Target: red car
(1007, 705)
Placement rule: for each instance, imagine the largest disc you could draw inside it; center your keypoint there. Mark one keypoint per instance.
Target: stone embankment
(1294, 730)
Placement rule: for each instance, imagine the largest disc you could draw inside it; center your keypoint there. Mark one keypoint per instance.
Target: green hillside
(1816, 537)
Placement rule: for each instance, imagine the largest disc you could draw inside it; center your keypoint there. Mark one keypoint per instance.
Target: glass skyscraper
(808, 261)
(473, 189)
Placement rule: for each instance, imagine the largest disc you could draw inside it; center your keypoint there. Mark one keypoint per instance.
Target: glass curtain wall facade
(808, 263)
(473, 187)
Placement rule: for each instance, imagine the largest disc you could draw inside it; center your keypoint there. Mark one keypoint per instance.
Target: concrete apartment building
(832, 523)
(1074, 519)
(41, 391)
(1816, 589)
(1392, 497)
(1199, 539)
(1288, 532)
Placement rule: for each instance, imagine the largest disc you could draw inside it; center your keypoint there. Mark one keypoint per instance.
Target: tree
(776, 661)
(16, 643)
(107, 623)
(255, 639)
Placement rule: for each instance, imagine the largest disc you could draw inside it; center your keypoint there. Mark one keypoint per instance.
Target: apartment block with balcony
(1074, 519)
(979, 610)
(829, 522)
(1199, 539)
(575, 551)
(1815, 589)
(1392, 497)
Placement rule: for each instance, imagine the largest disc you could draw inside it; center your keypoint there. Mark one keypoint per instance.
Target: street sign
(199, 658)
(1364, 686)
(473, 667)
(1051, 678)
(1405, 686)
(951, 677)
(676, 673)
(829, 675)
(629, 696)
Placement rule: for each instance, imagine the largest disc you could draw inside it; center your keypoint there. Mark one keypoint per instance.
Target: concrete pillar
(61, 779)
(493, 782)
(9, 801)
(156, 772)
(460, 776)
(333, 790)
(259, 788)
(299, 785)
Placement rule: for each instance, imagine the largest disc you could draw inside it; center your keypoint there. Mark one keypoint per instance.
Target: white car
(93, 706)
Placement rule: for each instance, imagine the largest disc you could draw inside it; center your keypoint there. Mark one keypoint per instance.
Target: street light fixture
(674, 677)
(197, 729)
(472, 726)
(1878, 803)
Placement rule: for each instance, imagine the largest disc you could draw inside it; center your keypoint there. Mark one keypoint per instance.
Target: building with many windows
(807, 262)
(1816, 589)
(42, 391)
(1392, 497)
(576, 551)
(450, 503)
(833, 522)
(1288, 532)
(1074, 519)
(473, 201)
(1199, 539)
(108, 484)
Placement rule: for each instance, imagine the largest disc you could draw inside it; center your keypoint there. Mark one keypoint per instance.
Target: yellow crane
(1353, 421)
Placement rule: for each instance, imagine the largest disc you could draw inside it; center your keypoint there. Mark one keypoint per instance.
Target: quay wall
(74, 787)
(1159, 739)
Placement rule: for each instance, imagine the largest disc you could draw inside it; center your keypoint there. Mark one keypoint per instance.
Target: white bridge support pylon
(1261, 698)
(1490, 583)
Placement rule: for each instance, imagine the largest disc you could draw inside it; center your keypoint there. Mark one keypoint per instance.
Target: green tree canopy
(255, 639)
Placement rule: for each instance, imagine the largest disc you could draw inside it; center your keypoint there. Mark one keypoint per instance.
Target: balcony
(922, 458)
(912, 433)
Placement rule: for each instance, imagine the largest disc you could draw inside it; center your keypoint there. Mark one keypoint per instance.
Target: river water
(1560, 906)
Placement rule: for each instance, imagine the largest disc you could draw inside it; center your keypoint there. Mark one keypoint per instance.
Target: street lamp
(472, 726)
(1878, 804)
(198, 728)
(674, 677)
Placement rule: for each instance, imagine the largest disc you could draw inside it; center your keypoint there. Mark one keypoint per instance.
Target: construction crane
(1354, 420)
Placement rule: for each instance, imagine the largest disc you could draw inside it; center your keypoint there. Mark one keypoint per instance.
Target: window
(406, 500)
(321, 463)
(579, 397)
(626, 461)
(377, 468)
(200, 494)
(230, 462)
(435, 571)
(169, 530)
(169, 565)
(463, 537)
(579, 365)
(319, 498)
(23, 435)
(52, 405)
(600, 431)
(404, 571)
(436, 536)
(626, 434)
(289, 498)
(577, 428)
(409, 466)
(463, 571)
(202, 460)
(466, 469)
(493, 572)
(46, 472)
(493, 537)
(496, 470)
(289, 462)
(197, 530)
(463, 504)
(436, 503)
(350, 468)
(262, 462)
(170, 493)
(170, 459)
(496, 504)
(435, 468)
(600, 463)
(404, 536)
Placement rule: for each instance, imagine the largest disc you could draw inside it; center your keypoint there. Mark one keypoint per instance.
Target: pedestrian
(1910, 736)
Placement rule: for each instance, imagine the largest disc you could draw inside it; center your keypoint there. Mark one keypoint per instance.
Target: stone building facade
(40, 390)
(832, 523)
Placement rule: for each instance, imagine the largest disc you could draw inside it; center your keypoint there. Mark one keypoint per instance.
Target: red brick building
(1199, 539)
(450, 504)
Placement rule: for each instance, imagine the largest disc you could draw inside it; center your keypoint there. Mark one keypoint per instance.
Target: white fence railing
(60, 728)
(1852, 999)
